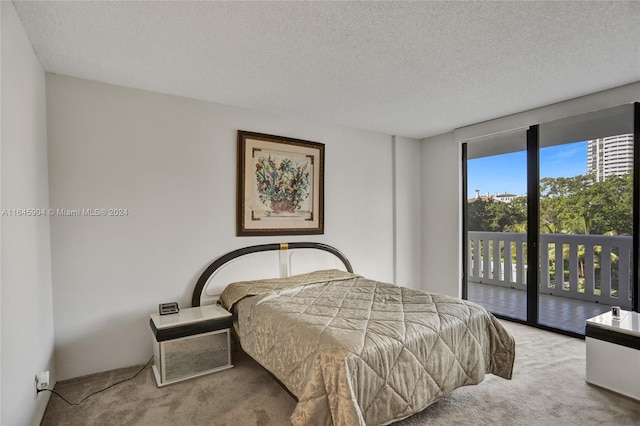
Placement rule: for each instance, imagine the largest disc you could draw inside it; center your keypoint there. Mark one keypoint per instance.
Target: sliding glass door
(586, 216)
(496, 223)
(550, 220)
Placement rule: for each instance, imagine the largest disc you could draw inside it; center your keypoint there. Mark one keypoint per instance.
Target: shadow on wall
(115, 343)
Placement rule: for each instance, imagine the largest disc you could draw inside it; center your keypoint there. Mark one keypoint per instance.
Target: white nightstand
(613, 352)
(191, 343)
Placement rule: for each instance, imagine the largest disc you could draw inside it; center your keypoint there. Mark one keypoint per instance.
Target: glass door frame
(635, 270)
(533, 221)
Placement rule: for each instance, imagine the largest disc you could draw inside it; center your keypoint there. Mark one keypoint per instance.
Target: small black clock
(168, 308)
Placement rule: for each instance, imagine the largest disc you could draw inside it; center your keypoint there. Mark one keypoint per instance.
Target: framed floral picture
(280, 185)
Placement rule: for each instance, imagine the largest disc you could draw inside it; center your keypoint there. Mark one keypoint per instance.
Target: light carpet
(548, 388)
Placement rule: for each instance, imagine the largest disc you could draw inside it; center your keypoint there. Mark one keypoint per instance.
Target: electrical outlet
(42, 381)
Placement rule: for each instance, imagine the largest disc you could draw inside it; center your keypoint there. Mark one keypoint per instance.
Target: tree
(495, 216)
(477, 215)
(608, 205)
(580, 205)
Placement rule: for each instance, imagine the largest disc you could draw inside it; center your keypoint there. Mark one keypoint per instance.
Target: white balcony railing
(591, 268)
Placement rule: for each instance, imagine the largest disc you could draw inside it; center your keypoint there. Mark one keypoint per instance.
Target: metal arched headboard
(226, 258)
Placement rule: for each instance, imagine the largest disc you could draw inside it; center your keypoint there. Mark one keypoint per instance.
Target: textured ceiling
(412, 69)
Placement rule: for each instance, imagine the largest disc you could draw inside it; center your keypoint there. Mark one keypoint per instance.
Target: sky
(507, 173)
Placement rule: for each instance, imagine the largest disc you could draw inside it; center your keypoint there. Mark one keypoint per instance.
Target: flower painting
(282, 182)
(280, 185)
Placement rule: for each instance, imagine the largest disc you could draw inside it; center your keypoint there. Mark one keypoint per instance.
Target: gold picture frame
(280, 185)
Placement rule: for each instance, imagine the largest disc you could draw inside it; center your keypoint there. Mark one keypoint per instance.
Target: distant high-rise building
(609, 156)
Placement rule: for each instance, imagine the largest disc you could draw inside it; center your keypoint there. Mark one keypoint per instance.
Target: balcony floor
(553, 311)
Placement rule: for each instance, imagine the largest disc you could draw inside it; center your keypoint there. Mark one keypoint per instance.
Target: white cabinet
(613, 352)
(190, 343)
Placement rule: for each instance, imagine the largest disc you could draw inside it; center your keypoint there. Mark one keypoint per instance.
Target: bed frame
(265, 261)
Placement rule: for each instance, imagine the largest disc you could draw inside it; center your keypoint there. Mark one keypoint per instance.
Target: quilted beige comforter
(356, 351)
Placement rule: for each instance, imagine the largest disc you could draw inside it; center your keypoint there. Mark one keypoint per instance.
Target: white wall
(26, 306)
(616, 96)
(441, 234)
(442, 180)
(407, 213)
(171, 162)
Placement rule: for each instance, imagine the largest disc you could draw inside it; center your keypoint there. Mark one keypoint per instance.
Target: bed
(352, 350)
